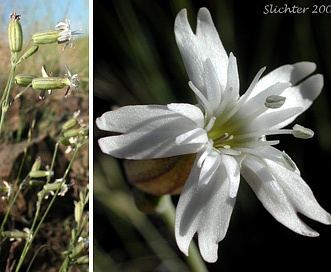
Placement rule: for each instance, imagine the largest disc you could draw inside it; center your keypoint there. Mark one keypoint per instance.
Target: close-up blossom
(232, 134)
(66, 34)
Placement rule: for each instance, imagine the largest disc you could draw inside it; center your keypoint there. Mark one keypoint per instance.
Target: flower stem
(34, 232)
(5, 96)
(194, 259)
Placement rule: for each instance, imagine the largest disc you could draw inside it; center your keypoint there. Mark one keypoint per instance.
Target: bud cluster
(48, 83)
(73, 132)
(63, 34)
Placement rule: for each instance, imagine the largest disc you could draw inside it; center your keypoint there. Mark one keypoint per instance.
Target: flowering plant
(228, 133)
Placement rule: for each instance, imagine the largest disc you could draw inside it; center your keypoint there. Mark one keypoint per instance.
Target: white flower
(51, 188)
(66, 35)
(74, 82)
(228, 133)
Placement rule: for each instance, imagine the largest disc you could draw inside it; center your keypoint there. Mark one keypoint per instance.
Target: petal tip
(204, 14)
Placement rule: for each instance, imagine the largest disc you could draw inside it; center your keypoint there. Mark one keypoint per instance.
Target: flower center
(231, 132)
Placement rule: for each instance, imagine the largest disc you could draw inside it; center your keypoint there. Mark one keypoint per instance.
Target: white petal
(190, 111)
(271, 153)
(232, 172)
(130, 117)
(257, 102)
(212, 85)
(205, 206)
(195, 49)
(273, 119)
(190, 205)
(232, 77)
(301, 96)
(292, 73)
(151, 131)
(299, 192)
(280, 200)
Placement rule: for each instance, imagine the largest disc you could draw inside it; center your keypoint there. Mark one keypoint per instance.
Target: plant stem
(34, 232)
(5, 96)
(194, 259)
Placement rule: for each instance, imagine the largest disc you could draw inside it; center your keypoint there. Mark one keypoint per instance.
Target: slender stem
(194, 259)
(34, 232)
(11, 203)
(5, 96)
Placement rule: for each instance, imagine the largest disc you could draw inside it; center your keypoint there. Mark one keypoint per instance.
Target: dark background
(136, 61)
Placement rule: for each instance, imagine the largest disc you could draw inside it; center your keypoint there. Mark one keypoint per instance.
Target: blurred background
(136, 61)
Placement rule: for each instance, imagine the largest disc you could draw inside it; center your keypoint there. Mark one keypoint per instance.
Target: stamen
(205, 103)
(244, 97)
(205, 153)
(222, 138)
(230, 152)
(210, 124)
(255, 144)
(274, 101)
(257, 134)
(302, 132)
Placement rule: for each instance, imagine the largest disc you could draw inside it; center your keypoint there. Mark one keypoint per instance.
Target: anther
(274, 101)
(302, 132)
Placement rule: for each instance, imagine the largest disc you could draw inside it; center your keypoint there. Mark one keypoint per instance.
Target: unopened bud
(71, 133)
(52, 186)
(36, 165)
(70, 124)
(36, 182)
(15, 33)
(65, 141)
(77, 249)
(79, 207)
(49, 83)
(45, 37)
(16, 234)
(29, 53)
(24, 80)
(39, 174)
(83, 260)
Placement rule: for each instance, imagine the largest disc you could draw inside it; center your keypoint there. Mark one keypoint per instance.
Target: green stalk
(29, 242)
(5, 96)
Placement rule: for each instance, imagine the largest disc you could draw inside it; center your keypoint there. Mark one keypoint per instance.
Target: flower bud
(39, 174)
(79, 207)
(24, 80)
(159, 176)
(49, 83)
(36, 182)
(77, 250)
(52, 186)
(70, 124)
(45, 37)
(36, 165)
(71, 133)
(83, 260)
(15, 33)
(16, 234)
(29, 53)
(65, 141)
